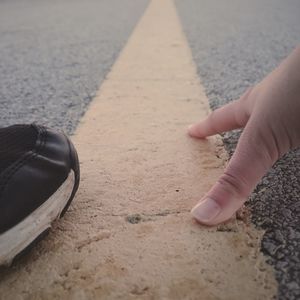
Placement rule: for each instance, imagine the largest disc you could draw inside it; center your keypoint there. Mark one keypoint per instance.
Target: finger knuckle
(233, 183)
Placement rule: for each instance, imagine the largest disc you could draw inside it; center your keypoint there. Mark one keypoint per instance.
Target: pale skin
(270, 115)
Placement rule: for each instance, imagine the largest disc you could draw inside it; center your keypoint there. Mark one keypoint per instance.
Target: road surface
(55, 55)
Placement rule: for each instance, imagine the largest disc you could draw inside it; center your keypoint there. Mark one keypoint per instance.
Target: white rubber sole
(16, 239)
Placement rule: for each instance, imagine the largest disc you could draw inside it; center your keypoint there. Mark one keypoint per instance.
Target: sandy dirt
(129, 233)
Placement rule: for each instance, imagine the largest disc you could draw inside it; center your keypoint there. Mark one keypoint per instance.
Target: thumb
(255, 154)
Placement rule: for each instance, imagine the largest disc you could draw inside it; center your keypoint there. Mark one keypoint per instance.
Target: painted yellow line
(129, 235)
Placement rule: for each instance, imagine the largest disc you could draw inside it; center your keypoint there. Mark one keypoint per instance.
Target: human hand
(270, 115)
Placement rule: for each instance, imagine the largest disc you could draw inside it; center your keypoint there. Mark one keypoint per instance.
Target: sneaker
(39, 176)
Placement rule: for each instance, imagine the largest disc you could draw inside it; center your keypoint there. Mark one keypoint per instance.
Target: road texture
(129, 234)
(53, 59)
(54, 55)
(235, 44)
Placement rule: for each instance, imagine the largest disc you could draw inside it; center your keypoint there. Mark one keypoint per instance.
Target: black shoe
(39, 176)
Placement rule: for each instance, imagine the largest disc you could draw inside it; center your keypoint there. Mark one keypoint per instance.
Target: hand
(270, 116)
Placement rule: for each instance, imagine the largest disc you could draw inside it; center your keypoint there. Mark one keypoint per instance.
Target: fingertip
(211, 212)
(206, 211)
(190, 127)
(190, 130)
(193, 131)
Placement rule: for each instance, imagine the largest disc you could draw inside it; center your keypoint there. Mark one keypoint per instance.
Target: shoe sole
(21, 238)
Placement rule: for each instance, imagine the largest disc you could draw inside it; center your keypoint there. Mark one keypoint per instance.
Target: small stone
(134, 219)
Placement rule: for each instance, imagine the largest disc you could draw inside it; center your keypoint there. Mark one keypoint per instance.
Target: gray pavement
(54, 55)
(53, 59)
(235, 43)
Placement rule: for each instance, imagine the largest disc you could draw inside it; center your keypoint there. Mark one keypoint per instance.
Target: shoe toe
(31, 180)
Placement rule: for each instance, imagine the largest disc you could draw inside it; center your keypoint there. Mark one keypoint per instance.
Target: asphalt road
(235, 43)
(55, 54)
(53, 59)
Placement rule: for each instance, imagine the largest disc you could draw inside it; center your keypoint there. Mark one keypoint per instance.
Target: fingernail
(206, 210)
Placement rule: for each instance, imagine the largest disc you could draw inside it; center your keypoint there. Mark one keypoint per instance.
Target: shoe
(39, 176)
